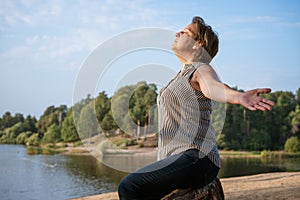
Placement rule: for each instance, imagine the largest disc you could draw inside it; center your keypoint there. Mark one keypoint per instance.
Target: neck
(183, 62)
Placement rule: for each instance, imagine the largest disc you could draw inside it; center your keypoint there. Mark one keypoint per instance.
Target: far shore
(268, 186)
(82, 150)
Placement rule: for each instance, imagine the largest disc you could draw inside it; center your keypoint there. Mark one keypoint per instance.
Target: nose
(178, 33)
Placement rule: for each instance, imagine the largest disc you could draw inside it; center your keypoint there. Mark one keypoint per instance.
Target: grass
(262, 154)
(279, 154)
(45, 150)
(226, 153)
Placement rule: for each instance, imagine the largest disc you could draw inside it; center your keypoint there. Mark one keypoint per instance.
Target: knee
(126, 190)
(122, 188)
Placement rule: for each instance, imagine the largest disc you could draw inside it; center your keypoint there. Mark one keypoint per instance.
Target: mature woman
(187, 149)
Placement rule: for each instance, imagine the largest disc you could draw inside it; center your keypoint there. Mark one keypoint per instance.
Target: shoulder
(203, 67)
(203, 70)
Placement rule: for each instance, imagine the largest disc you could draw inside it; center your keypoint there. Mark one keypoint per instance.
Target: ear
(198, 45)
(201, 43)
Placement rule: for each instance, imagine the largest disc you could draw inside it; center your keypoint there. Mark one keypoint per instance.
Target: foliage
(257, 140)
(52, 115)
(108, 123)
(8, 120)
(244, 129)
(23, 137)
(34, 140)
(30, 124)
(221, 142)
(68, 130)
(10, 134)
(292, 145)
(132, 110)
(52, 135)
(87, 123)
(295, 120)
(102, 106)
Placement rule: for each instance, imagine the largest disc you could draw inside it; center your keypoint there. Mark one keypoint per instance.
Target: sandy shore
(275, 186)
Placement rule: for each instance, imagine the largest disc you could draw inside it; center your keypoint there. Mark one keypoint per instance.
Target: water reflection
(128, 163)
(89, 168)
(234, 166)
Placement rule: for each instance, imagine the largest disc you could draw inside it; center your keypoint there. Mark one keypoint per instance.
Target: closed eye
(189, 32)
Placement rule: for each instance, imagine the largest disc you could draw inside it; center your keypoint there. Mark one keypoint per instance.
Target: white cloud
(56, 31)
(254, 19)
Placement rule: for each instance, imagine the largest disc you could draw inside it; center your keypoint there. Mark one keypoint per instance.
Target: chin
(173, 49)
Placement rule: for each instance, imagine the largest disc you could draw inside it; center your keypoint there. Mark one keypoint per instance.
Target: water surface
(54, 177)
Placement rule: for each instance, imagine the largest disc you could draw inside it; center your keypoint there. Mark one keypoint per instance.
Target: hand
(253, 101)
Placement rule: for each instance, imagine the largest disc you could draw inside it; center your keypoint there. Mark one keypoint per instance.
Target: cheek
(183, 44)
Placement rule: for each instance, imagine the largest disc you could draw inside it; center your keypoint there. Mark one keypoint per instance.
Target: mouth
(175, 41)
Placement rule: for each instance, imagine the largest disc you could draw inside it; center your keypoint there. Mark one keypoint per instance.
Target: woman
(187, 148)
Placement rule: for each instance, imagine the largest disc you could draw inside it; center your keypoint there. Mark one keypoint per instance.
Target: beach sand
(275, 186)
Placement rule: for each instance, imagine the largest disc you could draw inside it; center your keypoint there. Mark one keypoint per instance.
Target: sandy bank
(275, 186)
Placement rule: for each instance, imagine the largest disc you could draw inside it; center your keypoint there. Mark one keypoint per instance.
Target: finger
(268, 102)
(263, 90)
(266, 106)
(259, 107)
(252, 108)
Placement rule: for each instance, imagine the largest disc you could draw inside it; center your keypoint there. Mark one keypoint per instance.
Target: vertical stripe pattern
(185, 118)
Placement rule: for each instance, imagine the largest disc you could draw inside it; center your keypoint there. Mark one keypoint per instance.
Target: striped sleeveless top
(185, 118)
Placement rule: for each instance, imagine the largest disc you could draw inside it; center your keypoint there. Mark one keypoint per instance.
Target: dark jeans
(184, 170)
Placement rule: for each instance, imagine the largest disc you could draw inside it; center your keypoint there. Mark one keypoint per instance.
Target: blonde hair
(207, 36)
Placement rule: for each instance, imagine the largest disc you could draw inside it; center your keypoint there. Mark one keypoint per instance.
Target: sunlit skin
(205, 79)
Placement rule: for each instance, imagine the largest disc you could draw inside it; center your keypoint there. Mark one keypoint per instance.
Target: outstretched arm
(210, 85)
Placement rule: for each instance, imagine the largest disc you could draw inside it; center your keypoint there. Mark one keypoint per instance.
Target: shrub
(23, 137)
(34, 140)
(52, 135)
(221, 142)
(292, 145)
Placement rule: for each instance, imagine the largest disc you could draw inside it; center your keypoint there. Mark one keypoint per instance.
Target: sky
(44, 44)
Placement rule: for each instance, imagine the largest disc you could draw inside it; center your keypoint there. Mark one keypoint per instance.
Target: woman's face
(184, 45)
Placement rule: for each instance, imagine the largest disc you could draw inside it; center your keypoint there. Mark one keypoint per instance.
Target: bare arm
(214, 89)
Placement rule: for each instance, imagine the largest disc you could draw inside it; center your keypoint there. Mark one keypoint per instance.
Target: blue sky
(44, 43)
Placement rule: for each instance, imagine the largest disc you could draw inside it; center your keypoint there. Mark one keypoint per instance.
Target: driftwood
(212, 191)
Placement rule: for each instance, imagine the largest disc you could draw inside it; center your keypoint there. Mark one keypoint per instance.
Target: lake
(55, 177)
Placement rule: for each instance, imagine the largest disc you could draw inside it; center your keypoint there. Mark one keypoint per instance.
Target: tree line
(132, 111)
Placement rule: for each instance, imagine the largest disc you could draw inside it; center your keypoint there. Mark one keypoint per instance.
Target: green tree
(88, 123)
(233, 127)
(68, 130)
(10, 134)
(30, 124)
(292, 144)
(102, 106)
(52, 135)
(285, 104)
(141, 102)
(221, 142)
(52, 115)
(298, 96)
(23, 137)
(34, 140)
(7, 121)
(18, 118)
(257, 140)
(151, 109)
(120, 109)
(79, 106)
(295, 120)
(108, 123)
